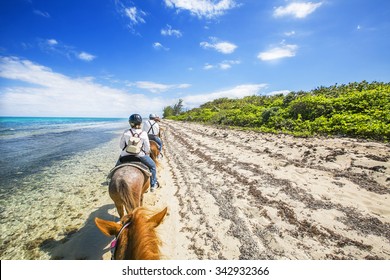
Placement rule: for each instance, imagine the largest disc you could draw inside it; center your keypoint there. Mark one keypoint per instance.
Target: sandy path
(244, 195)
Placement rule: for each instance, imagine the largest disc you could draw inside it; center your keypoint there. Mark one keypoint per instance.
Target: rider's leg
(147, 160)
(156, 139)
(159, 142)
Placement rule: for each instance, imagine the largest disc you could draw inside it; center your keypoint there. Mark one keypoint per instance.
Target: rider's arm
(122, 143)
(146, 146)
(145, 126)
(157, 129)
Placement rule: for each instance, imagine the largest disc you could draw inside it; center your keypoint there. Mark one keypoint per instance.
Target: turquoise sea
(30, 144)
(52, 172)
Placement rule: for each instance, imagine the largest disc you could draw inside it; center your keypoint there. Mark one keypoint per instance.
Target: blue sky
(113, 58)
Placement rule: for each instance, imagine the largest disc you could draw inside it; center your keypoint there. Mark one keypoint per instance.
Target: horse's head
(135, 236)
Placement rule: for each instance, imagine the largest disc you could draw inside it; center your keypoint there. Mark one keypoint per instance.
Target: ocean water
(53, 172)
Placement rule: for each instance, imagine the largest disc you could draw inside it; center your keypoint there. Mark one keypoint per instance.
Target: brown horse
(127, 187)
(135, 237)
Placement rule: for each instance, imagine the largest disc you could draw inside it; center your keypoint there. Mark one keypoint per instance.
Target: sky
(113, 58)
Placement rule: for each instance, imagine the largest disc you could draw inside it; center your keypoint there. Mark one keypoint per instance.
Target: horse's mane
(141, 238)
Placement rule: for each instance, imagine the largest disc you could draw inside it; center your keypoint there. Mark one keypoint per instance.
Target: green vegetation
(170, 111)
(360, 110)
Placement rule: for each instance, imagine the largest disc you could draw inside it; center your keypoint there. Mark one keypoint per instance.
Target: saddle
(130, 161)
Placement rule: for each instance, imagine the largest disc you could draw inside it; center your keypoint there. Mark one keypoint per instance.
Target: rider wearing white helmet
(152, 128)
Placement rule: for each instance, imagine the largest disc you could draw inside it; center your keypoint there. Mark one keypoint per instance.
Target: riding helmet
(152, 116)
(135, 119)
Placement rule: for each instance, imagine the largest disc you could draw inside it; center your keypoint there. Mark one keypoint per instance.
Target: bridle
(115, 241)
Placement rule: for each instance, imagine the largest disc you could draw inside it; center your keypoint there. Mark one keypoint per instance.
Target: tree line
(359, 109)
(171, 111)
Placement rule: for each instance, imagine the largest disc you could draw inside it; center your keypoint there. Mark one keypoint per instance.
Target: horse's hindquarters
(126, 188)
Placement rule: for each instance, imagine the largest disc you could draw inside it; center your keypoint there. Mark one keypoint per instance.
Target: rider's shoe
(154, 187)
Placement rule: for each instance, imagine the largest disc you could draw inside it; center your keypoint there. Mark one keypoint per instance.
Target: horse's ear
(157, 218)
(107, 227)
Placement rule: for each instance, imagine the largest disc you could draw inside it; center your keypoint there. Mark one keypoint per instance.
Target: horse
(135, 237)
(127, 187)
(128, 184)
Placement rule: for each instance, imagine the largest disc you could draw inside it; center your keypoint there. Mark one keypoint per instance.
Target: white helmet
(152, 116)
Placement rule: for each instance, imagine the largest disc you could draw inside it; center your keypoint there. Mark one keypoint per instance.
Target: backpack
(134, 146)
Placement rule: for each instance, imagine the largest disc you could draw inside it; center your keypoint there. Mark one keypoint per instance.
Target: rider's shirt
(125, 139)
(151, 127)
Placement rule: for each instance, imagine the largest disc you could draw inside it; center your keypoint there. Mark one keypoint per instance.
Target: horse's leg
(144, 189)
(116, 198)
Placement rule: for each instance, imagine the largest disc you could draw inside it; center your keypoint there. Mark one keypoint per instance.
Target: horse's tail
(155, 159)
(127, 194)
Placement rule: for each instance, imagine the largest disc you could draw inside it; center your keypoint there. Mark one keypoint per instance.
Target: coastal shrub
(311, 107)
(359, 110)
(268, 113)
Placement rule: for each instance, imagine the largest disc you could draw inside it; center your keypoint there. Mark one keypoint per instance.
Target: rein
(115, 241)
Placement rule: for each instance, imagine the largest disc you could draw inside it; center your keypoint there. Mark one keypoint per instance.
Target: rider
(152, 128)
(135, 121)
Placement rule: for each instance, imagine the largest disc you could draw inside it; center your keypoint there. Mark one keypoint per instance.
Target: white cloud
(53, 46)
(55, 94)
(208, 66)
(168, 31)
(52, 42)
(158, 88)
(220, 46)
(278, 52)
(183, 86)
(365, 28)
(276, 92)
(290, 33)
(297, 9)
(224, 65)
(42, 14)
(135, 15)
(239, 91)
(132, 14)
(202, 8)
(159, 46)
(86, 56)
